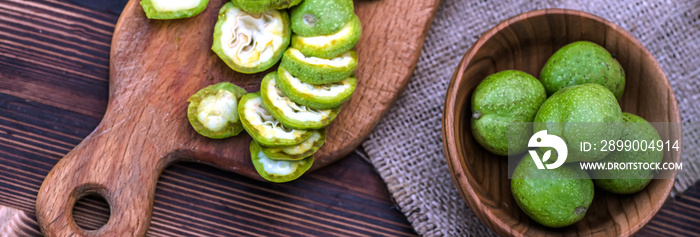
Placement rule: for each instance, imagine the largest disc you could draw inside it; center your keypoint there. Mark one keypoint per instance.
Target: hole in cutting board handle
(91, 212)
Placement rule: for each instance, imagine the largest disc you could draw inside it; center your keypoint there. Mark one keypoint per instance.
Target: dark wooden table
(54, 62)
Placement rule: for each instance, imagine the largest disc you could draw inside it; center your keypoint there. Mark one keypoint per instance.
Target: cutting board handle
(124, 173)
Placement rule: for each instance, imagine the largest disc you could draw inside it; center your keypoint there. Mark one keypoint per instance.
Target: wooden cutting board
(155, 67)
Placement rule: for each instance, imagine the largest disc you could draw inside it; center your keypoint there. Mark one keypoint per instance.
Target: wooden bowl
(525, 42)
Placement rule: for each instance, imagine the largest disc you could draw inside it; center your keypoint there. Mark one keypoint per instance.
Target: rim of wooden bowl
(452, 144)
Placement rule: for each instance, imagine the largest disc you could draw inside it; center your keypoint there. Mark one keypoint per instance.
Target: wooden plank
(323, 201)
(64, 50)
(667, 223)
(346, 196)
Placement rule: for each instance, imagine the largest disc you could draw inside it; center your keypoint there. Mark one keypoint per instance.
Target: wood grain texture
(678, 217)
(195, 199)
(156, 65)
(525, 42)
(14, 222)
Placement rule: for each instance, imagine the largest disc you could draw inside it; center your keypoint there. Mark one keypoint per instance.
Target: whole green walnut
(630, 180)
(507, 97)
(552, 197)
(580, 63)
(581, 113)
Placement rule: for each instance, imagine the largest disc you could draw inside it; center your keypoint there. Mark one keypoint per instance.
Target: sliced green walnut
(263, 127)
(296, 152)
(290, 113)
(213, 111)
(332, 45)
(278, 171)
(264, 5)
(321, 17)
(250, 42)
(172, 9)
(325, 96)
(315, 70)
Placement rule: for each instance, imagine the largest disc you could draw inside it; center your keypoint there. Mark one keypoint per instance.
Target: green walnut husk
(290, 113)
(213, 111)
(263, 127)
(321, 17)
(330, 46)
(250, 42)
(507, 98)
(315, 70)
(326, 96)
(581, 113)
(165, 9)
(256, 6)
(554, 198)
(299, 151)
(278, 171)
(580, 63)
(629, 181)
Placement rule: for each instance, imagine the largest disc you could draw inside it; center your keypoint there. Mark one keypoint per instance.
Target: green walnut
(507, 98)
(321, 17)
(299, 151)
(263, 127)
(580, 63)
(325, 96)
(169, 9)
(290, 113)
(552, 197)
(250, 42)
(332, 45)
(278, 171)
(581, 113)
(255, 6)
(315, 70)
(213, 111)
(629, 181)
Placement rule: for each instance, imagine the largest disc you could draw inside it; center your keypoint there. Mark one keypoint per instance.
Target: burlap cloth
(406, 146)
